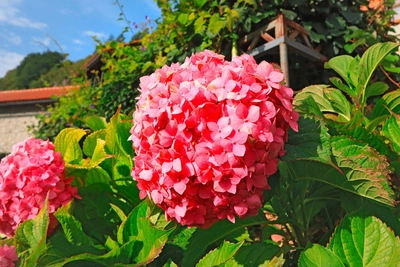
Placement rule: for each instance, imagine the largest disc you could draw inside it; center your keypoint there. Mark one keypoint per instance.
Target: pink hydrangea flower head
(207, 135)
(8, 256)
(32, 171)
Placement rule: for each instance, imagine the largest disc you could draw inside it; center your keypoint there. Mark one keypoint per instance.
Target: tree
(34, 65)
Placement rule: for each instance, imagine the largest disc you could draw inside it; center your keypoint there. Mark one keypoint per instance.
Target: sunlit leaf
(201, 238)
(220, 255)
(257, 254)
(329, 101)
(340, 65)
(375, 89)
(31, 235)
(317, 256)
(67, 143)
(365, 241)
(391, 130)
(95, 123)
(371, 59)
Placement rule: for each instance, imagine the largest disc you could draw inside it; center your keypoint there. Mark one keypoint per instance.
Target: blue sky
(29, 26)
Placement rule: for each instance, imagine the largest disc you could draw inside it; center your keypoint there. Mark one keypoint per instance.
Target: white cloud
(9, 14)
(78, 41)
(11, 37)
(99, 35)
(8, 61)
(68, 12)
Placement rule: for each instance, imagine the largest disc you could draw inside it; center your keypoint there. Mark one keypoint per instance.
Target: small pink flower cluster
(207, 135)
(7, 256)
(27, 175)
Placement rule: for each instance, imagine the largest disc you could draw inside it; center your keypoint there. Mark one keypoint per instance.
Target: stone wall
(15, 117)
(13, 129)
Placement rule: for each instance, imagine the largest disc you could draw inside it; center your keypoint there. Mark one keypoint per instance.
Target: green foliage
(340, 161)
(59, 75)
(349, 145)
(67, 112)
(358, 241)
(220, 255)
(201, 239)
(42, 70)
(182, 30)
(30, 69)
(30, 237)
(109, 226)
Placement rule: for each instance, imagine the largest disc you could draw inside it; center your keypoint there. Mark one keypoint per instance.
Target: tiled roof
(34, 94)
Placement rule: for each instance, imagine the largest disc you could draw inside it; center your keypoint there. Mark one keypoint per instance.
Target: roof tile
(34, 94)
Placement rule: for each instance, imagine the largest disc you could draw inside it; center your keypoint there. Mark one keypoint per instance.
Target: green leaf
(257, 254)
(59, 252)
(117, 144)
(220, 255)
(71, 226)
(375, 89)
(90, 142)
(200, 3)
(352, 203)
(372, 58)
(99, 153)
(137, 227)
(342, 87)
(356, 181)
(67, 143)
(199, 25)
(352, 46)
(356, 130)
(328, 100)
(157, 217)
(391, 130)
(373, 124)
(170, 263)
(119, 212)
(317, 256)
(311, 142)
(216, 24)
(365, 241)
(183, 18)
(96, 175)
(368, 169)
(388, 102)
(30, 237)
(340, 65)
(10, 241)
(201, 238)
(93, 210)
(95, 123)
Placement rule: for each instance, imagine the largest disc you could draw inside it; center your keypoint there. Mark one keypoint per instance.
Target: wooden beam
(267, 37)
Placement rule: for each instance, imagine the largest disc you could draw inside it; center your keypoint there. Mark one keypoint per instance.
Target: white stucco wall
(13, 129)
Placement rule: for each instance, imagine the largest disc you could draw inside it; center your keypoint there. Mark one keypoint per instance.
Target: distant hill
(41, 70)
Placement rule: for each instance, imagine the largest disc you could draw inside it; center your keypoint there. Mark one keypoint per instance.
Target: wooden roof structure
(281, 35)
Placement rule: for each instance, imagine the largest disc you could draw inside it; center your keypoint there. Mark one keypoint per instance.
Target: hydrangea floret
(8, 256)
(32, 171)
(208, 133)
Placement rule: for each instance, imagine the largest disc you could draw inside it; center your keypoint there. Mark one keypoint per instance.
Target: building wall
(15, 117)
(13, 129)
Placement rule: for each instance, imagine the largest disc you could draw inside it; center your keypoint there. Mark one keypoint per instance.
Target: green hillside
(41, 70)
